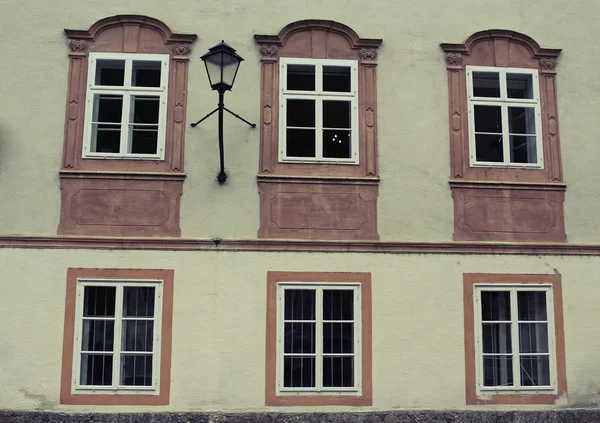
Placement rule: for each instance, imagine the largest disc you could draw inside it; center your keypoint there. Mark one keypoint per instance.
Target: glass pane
(533, 337)
(338, 372)
(486, 84)
(519, 85)
(145, 73)
(338, 337)
(337, 144)
(497, 371)
(336, 78)
(99, 301)
(300, 143)
(338, 304)
(299, 338)
(301, 113)
(110, 72)
(523, 149)
(299, 304)
(136, 370)
(106, 138)
(137, 335)
(97, 335)
(535, 371)
(107, 108)
(532, 305)
(144, 140)
(138, 301)
(496, 338)
(521, 120)
(488, 148)
(298, 372)
(301, 77)
(336, 114)
(495, 305)
(144, 109)
(96, 369)
(488, 119)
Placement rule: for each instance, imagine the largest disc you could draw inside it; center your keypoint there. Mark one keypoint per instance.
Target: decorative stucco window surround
(130, 195)
(508, 202)
(117, 317)
(523, 319)
(318, 320)
(328, 199)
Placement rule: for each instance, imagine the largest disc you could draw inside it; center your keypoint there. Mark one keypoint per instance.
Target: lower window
(118, 329)
(514, 339)
(318, 339)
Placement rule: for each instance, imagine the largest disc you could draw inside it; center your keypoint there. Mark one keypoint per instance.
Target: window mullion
(125, 115)
(319, 339)
(117, 342)
(505, 134)
(319, 128)
(516, 347)
(357, 338)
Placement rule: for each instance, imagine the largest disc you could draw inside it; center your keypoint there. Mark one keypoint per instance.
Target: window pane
(99, 301)
(495, 305)
(301, 77)
(338, 337)
(532, 305)
(535, 371)
(523, 149)
(137, 335)
(338, 372)
(488, 119)
(299, 304)
(336, 78)
(301, 113)
(521, 120)
(337, 144)
(488, 148)
(519, 85)
(300, 143)
(299, 338)
(136, 370)
(486, 84)
(138, 301)
(496, 338)
(96, 369)
(336, 114)
(110, 72)
(144, 109)
(106, 138)
(338, 304)
(97, 335)
(298, 372)
(497, 371)
(145, 73)
(107, 108)
(144, 140)
(533, 337)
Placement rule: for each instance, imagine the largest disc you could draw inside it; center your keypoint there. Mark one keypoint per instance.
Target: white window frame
(356, 390)
(319, 96)
(504, 102)
(116, 388)
(517, 388)
(127, 91)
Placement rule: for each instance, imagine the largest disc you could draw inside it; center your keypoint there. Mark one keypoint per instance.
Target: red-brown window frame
(66, 395)
(271, 397)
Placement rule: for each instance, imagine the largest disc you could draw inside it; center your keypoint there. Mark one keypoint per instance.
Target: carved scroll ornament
(77, 46)
(182, 49)
(368, 53)
(268, 50)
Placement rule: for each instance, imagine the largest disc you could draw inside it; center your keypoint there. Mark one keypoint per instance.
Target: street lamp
(222, 64)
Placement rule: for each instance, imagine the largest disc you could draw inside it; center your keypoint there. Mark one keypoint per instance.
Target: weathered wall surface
(219, 324)
(414, 199)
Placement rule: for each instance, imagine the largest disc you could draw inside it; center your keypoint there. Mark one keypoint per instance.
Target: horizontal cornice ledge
(87, 174)
(293, 179)
(542, 186)
(291, 245)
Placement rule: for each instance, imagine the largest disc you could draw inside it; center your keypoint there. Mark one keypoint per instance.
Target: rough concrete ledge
(552, 416)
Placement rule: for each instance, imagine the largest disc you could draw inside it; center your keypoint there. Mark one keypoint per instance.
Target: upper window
(126, 106)
(319, 104)
(504, 117)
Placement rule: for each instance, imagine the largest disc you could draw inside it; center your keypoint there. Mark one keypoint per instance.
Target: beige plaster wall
(219, 323)
(414, 201)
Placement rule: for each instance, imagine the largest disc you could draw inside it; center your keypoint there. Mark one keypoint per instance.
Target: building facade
(408, 232)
